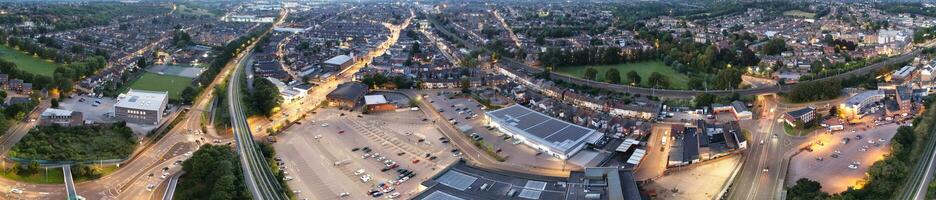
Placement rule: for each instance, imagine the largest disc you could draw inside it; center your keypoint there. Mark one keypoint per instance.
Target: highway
(752, 181)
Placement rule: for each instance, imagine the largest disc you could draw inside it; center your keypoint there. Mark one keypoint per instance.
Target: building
(903, 97)
(65, 118)
(347, 95)
(855, 106)
(741, 111)
(804, 115)
(141, 106)
(904, 74)
(339, 62)
(377, 103)
(552, 136)
(461, 181)
(737, 108)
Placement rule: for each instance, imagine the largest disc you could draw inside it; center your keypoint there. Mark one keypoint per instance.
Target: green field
(28, 63)
(54, 176)
(677, 80)
(799, 13)
(155, 82)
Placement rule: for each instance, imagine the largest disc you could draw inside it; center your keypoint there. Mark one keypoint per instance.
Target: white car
(16, 191)
(150, 187)
(365, 156)
(366, 178)
(318, 137)
(344, 194)
(359, 172)
(852, 166)
(394, 195)
(288, 178)
(324, 124)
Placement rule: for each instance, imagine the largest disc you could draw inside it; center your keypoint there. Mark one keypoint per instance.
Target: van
(484, 187)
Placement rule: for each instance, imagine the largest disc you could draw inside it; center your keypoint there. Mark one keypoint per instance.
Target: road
(753, 182)
(69, 183)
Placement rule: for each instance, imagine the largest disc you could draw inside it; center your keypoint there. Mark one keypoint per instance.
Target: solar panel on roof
(456, 180)
(530, 194)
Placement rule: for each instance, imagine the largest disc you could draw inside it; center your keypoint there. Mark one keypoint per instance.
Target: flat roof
(544, 130)
(142, 99)
(375, 99)
(338, 60)
(859, 98)
(55, 112)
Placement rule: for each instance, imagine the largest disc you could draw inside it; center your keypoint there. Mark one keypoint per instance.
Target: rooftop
(142, 99)
(49, 112)
(374, 99)
(338, 60)
(349, 91)
(553, 133)
(800, 112)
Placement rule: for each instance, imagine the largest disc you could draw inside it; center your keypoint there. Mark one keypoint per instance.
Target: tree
(658, 80)
(265, 97)
(613, 76)
(212, 173)
(633, 78)
(465, 85)
(591, 74)
(55, 103)
(774, 46)
(704, 99)
(806, 189)
(728, 79)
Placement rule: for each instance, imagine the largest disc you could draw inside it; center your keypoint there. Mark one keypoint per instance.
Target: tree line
(212, 173)
(228, 52)
(82, 143)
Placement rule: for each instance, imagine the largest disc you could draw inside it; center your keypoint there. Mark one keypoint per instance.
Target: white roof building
(143, 100)
(375, 99)
(338, 60)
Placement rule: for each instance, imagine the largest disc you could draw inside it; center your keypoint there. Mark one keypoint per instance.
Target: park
(644, 69)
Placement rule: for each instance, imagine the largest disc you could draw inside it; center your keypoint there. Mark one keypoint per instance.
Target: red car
(415, 161)
(341, 131)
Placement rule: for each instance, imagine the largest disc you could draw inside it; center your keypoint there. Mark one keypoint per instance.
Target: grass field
(155, 82)
(676, 79)
(54, 176)
(799, 13)
(793, 131)
(28, 63)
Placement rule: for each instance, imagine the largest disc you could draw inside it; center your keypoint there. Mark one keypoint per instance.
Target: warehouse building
(141, 106)
(346, 95)
(552, 136)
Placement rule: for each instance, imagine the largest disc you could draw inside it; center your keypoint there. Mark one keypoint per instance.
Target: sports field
(155, 82)
(799, 13)
(28, 63)
(677, 80)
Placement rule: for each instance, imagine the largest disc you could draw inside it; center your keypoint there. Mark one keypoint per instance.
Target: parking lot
(356, 153)
(467, 111)
(97, 112)
(837, 163)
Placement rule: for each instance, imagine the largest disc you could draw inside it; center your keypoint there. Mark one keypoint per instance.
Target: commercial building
(552, 136)
(904, 74)
(804, 115)
(347, 95)
(65, 118)
(856, 105)
(737, 108)
(462, 181)
(339, 62)
(377, 103)
(141, 106)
